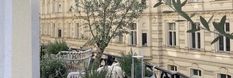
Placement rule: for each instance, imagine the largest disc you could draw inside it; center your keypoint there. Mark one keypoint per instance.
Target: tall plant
(57, 46)
(107, 19)
(177, 6)
(126, 65)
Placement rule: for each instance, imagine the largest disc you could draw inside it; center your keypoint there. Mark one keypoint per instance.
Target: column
(19, 44)
(25, 39)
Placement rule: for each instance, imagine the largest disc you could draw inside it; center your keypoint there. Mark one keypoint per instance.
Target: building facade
(159, 34)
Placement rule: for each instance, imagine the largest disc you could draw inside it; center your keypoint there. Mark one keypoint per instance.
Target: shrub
(52, 68)
(125, 63)
(54, 48)
(42, 51)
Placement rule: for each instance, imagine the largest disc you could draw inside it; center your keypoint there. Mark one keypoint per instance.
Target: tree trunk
(98, 56)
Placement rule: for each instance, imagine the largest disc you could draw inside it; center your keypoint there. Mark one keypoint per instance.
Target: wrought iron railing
(163, 72)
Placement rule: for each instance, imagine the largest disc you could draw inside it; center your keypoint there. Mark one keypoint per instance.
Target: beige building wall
(154, 21)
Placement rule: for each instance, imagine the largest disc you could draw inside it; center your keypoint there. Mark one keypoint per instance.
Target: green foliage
(54, 48)
(52, 68)
(126, 63)
(176, 5)
(95, 74)
(42, 50)
(107, 18)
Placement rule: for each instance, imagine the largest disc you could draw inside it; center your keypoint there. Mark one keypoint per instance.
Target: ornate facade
(159, 34)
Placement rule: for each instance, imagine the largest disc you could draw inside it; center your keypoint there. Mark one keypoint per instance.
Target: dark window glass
(224, 76)
(59, 33)
(227, 27)
(144, 39)
(221, 46)
(199, 72)
(195, 72)
(131, 34)
(193, 40)
(228, 46)
(170, 38)
(174, 38)
(198, 40)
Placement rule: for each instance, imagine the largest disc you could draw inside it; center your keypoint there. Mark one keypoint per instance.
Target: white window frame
(172, 66)
(133, 36)
(219, 75)
(224, 40)
(172, 30)
(198, 25)
(199, 72)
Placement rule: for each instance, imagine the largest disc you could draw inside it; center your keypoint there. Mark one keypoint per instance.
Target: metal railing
(163, 72)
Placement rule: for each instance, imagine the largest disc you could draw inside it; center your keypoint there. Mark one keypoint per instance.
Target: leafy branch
(177, 6)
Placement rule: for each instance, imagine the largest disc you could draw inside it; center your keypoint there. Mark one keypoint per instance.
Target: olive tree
(107, 19)
(177, 6)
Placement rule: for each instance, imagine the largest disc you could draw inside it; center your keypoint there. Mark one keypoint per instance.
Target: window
(144, 39)
(224, 42)
(172, 34)
(196, 37)
(195, 72)
(172, 67)
(223, 76)
(59, 33)
(133, 34)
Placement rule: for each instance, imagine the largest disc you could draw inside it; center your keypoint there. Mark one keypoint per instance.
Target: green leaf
(157, 4)
(185, 15)
(229, 36)
(193, 30)
(210, 19)
(216, 39)
(184, 3)
(176, 5)
(192, 15)
(204, 23)
(219, 28)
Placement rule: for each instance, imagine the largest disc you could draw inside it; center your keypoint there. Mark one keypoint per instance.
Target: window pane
(144, 39)
(228, 46)
(193, 40)
(198, 40)
(174, 33)
(228, 76)
(170, 38)
(221, 46)
(199, 72)
(223, 76)
(131, 35)
(195, 72)
(59, 33)
(227, 27)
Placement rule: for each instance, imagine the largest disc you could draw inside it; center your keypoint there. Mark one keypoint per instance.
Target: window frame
(172, 67)
(197, 37)
(199, 72)
(133, 34)
(172, 34)
(225, 39)
(226, 75)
